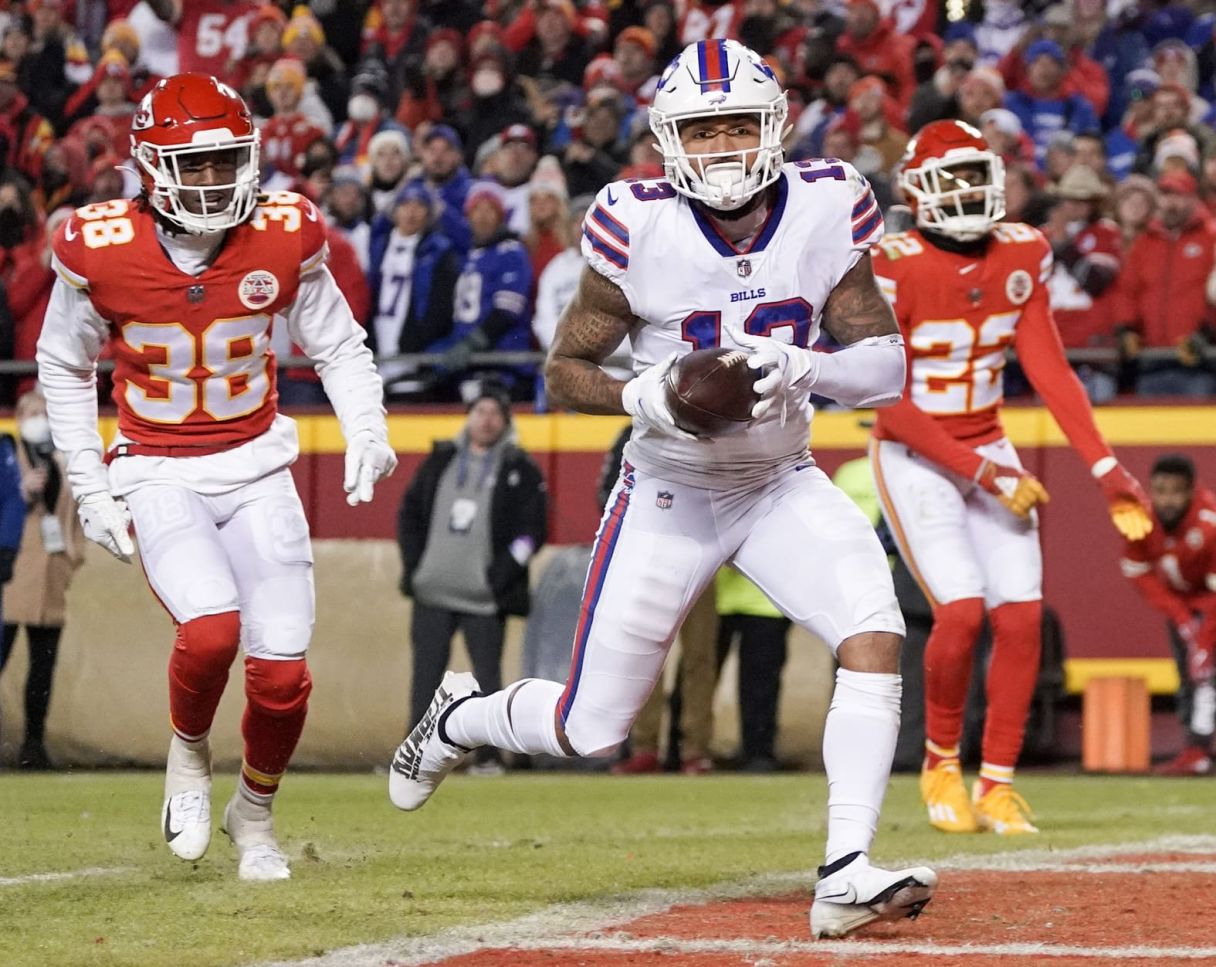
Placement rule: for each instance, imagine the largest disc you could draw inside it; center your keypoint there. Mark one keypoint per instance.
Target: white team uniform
(752, 496)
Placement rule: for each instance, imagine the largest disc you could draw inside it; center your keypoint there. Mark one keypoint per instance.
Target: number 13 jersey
(690, 288)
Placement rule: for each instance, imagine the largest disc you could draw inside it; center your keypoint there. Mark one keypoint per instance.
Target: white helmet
(716, 77)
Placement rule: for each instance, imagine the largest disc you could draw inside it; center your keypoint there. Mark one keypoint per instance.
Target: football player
(733, 248)
(966, 286)
(1174, 569)
(185, 281)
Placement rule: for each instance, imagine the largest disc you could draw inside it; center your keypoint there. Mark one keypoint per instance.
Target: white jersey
(690, 288)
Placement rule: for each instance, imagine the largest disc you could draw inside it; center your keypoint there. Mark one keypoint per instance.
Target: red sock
(948, 668)
(277, 693)
(1016, 642)
(198, 671)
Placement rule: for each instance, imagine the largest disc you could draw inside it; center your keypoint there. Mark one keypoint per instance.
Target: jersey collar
(723, 246)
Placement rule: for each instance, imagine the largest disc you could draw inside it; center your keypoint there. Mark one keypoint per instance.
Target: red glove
(1018, 490)
(1130, 510)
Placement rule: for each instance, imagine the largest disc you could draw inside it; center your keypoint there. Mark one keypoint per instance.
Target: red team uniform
(212, 35)
(966, 288)
(1174, 569)
(185, 293)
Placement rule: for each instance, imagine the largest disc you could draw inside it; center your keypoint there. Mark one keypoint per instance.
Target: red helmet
(181, 118)
(953, 182)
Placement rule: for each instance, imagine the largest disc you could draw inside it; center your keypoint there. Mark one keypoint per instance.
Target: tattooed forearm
(592, 326)
(857, 308)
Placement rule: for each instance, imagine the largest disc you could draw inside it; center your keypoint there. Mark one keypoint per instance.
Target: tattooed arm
(856, 308)
(592, 326)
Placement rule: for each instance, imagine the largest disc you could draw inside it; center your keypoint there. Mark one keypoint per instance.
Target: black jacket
(518, 508)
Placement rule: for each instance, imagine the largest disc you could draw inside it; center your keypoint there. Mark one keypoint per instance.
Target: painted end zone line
(29, 878)
(573, 926)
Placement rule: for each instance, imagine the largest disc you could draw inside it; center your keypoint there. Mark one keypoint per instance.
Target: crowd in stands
(455, 144)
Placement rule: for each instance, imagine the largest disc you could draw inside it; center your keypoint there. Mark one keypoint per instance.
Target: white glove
(786, 377)
(106, 521)
(368, 459)
(645, 397)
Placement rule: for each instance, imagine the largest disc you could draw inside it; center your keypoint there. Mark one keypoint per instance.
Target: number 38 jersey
(691, 288)
(192, 358)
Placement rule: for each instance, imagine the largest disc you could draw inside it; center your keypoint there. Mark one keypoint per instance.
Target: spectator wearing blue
(445, 174)
(1045, 109)
(1123, 140)
(413, 268)
(492, 311)
(12, 523)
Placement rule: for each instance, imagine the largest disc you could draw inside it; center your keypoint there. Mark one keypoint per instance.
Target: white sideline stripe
(66, 875)
(572, 925)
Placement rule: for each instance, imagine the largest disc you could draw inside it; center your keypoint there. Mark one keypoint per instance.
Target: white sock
(858, 746)
(520, 718)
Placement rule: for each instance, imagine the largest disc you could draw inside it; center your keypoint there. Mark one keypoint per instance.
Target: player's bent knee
(209, 642)
(965, 616)
(593, 743)
(871, 651)
(277, 687)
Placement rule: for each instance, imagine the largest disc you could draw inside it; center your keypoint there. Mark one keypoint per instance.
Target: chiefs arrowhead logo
(258, 289)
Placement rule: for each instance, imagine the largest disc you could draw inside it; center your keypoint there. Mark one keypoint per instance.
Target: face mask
(12, 227)
(35, 430)
(487, 83)
(362, 108)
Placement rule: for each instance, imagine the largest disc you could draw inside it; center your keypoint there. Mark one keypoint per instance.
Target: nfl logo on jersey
(744, 268)
(664, 500)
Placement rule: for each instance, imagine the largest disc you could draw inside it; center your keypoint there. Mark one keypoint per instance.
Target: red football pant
(1017, 641)
(948, 659)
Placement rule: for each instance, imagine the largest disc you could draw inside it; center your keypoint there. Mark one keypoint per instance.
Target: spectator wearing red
(1088, 250)
(485, 36)
(25, 135)
(872, 41)
(878, 118)
(394, 34)
(64, 179)
(634, 53)
(287, 134)
(1083, 75)
(439, 88)
(521, 31)
(710, 20)
(29, 293)
(1163, 293)
(212, 35)
(548, 209)
(1135, 206)
(304, 40)
(24, 264)
(108, 129)
(1174, 569)
(556, 52)
(265, 45)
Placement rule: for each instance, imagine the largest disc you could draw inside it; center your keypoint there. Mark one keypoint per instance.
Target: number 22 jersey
(690, 288)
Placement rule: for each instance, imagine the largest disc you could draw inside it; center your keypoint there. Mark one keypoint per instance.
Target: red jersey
(193, 364)
(1086, 319)
(1175, 570)
(285, 139)
(959, 313)
(212, 35)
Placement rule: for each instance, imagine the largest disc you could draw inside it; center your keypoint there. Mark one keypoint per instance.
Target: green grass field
(483, 850)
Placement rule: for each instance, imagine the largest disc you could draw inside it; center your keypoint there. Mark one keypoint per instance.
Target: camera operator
(51, 550)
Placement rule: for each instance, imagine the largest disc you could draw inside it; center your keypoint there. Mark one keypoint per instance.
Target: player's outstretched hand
(1130, 510)
(368, 460)
(106, 521)
(784, 369)
(1018, 490)
(645, 398)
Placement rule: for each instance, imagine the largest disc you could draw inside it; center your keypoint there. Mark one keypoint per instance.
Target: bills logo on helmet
(1018, 286)
(258, 289)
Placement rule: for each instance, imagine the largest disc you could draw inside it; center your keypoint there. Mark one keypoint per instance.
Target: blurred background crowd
(455, 145)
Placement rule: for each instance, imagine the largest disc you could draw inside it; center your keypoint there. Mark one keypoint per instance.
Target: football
(709, 390)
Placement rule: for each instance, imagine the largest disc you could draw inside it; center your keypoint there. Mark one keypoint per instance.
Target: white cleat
(424, 759)
(857, 893)
(185, 815)
(252, 833)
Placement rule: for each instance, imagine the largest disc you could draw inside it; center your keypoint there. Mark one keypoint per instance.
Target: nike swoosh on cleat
(611, 200)
(170, 836)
